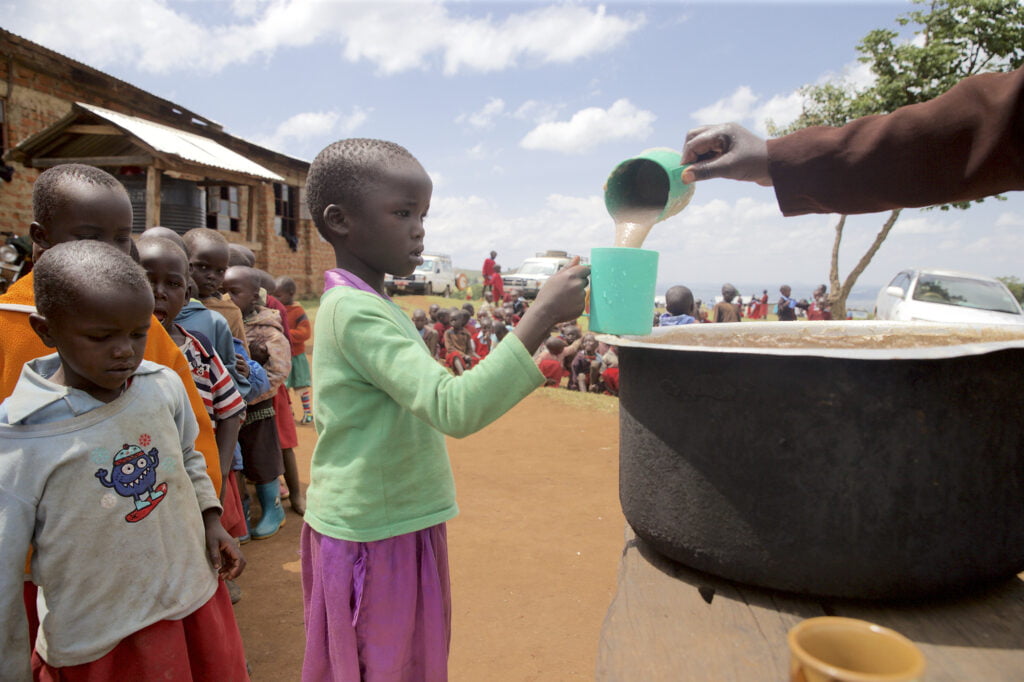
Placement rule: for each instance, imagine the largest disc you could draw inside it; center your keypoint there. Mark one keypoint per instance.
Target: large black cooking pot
(860, 472)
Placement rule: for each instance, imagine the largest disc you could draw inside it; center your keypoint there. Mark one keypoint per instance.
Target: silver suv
(531, 275)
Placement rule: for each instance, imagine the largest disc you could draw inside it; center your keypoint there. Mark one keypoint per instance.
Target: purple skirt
(376, 611)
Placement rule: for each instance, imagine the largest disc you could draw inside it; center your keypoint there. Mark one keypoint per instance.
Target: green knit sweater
(382, 407)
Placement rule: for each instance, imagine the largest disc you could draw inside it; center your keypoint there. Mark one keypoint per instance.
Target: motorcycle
(15, 258)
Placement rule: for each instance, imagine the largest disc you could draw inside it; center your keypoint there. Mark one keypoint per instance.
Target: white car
(947, 296)
(435, 276)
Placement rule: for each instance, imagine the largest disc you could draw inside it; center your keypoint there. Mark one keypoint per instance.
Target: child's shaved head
(679, 300)
(341, 173)
(555, 345)
(199, 235)
(67, 269)
(49, 191)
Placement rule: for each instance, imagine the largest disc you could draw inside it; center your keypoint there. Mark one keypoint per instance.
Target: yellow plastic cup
(834, 649)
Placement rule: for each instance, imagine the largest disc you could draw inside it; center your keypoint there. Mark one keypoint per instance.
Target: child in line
(460, 354)
(209, 252)
(374, 550)
(549, 361)
(725, 310)
(99, 475)
(679, 306)
(167, 268)
(261, 449)
(78, 202)
(299, 331)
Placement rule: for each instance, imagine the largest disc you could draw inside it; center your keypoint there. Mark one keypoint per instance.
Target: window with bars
(286, 211)
(222, 212)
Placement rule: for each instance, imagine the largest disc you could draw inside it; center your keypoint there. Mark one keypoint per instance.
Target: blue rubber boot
(273, 513)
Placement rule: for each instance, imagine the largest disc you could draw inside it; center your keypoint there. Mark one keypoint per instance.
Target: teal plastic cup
(622, 290)
(649, 187)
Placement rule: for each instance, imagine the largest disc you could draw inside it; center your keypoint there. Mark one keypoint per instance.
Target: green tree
(953, 39)
(1015, 286)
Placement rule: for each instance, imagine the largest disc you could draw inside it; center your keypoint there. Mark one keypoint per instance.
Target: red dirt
(533, 554)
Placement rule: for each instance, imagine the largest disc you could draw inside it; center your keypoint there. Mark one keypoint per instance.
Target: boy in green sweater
(374, 554)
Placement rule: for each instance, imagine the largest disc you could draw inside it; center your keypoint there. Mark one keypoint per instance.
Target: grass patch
(591, 402)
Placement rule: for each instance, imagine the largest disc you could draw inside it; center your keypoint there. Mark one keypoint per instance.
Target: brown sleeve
(965, 144)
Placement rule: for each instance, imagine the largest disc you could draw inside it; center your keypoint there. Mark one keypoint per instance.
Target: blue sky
(520, 110)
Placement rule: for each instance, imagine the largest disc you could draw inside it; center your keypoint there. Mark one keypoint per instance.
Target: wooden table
(668, 622)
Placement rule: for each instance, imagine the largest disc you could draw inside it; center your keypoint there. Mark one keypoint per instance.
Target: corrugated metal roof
(185, 145)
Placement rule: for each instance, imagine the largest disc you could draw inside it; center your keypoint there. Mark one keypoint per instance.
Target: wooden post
(152, 196)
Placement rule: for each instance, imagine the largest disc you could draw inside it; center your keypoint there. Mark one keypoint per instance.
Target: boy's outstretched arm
(561, 298)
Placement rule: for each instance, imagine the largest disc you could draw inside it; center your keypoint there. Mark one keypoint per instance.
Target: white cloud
(393, 36)
(484, 117)
(310, 125)
(754, 110)
(921, 224)
(590, 127)
(1008, 219)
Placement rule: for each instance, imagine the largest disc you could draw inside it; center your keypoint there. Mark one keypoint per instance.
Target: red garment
(279, 307)
(284, 419)
(497, 287)
(203, 646)
(611, 380)
(453, 355)
(299, 328)
(552, 370)
(440, 328)
(488, 269)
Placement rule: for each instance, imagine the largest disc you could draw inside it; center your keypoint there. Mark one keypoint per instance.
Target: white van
(531, 275)
(434, 276)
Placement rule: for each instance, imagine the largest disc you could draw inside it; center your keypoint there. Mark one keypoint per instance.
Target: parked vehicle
(531, 275)
(15, 258)
(434, 276)
(947, 296)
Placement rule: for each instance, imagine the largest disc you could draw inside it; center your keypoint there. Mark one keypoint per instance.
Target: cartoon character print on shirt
(134, 475)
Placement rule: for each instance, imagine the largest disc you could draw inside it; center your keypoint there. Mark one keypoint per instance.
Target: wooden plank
(978, 636)
(152, 196)
(661, 626)
(47, 162)
(93, 129)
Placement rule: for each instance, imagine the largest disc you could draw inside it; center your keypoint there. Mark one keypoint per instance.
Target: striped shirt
(220, 396)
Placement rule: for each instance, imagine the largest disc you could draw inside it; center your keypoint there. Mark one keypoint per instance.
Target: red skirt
(204, 646)
(233, 517)
(284, 419)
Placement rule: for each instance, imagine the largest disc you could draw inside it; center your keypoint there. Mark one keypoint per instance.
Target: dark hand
(563, 296)
(221, 550)
(241, 366)
(726, 151)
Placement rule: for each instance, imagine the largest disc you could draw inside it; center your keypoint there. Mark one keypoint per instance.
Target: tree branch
(851, 279)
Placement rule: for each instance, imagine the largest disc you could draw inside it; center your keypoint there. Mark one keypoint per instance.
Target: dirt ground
(534, 551)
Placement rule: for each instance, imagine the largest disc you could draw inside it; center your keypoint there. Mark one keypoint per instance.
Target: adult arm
(965, 144)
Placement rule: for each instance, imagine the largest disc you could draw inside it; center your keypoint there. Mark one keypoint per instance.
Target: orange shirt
(299, 328)
(19, 344)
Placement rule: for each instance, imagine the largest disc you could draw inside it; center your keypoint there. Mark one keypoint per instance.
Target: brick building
(181, 169)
